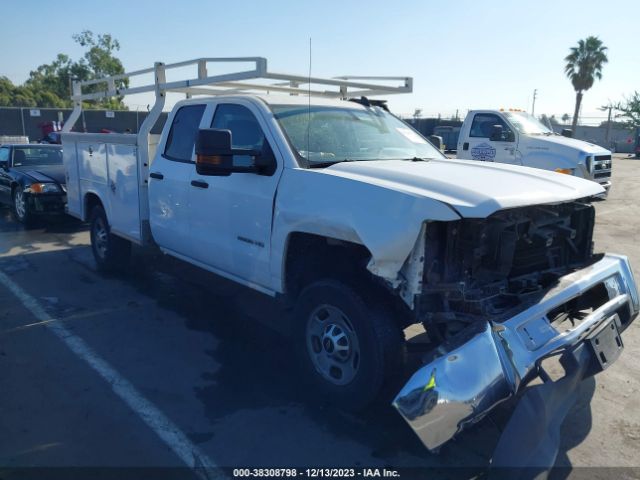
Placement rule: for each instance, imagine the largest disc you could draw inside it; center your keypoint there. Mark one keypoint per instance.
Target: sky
(462, 55)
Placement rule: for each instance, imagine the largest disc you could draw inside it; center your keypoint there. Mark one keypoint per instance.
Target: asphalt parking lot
(221, 386)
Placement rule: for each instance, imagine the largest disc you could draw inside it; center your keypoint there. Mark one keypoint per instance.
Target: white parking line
(168, 432)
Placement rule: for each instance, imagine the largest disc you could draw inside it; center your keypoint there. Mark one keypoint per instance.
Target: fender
(386, 221)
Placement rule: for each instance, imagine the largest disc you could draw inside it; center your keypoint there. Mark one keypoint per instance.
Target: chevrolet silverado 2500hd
(518, 138)
(361, 227)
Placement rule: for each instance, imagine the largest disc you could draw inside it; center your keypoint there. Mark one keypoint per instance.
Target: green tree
(630, 110)
(100, 61)
(49, 85)
(584, 66)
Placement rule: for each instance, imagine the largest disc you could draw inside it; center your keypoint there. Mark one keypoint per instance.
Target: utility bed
(110, 167)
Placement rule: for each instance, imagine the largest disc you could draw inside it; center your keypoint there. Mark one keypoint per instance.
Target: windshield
(30, 156)
(324, 135)
(527, 124)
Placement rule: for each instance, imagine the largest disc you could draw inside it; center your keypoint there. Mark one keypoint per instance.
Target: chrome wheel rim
(20, 205)
(99, 237)
(333, 345)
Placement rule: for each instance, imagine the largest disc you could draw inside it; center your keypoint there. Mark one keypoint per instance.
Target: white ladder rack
(255, 80)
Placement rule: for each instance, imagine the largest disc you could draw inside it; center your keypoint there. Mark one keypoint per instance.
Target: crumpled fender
(386, 221)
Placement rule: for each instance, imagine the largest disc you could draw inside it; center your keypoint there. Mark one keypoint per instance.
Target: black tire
(111, 252)
(19, 206)
(379, 340)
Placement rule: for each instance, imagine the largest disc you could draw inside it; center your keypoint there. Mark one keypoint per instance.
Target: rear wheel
(110, 251)
(20, 206)
(347, 347)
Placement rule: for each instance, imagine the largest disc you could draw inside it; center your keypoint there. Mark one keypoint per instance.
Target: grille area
(479, 268)
(601, 166)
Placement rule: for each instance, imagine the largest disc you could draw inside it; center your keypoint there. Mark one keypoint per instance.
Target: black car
(32, 180)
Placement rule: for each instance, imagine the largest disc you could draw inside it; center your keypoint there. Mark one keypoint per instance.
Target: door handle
(199, 184)
(156, 175)
(465, 146)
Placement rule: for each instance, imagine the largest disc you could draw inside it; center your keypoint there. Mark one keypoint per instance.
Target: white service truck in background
(518, 138)
(359, 228)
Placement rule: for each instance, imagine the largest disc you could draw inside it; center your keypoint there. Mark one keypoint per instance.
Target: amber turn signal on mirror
(210, 159)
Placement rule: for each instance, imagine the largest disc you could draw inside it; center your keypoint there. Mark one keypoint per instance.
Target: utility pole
(608, 107)
(533, 105)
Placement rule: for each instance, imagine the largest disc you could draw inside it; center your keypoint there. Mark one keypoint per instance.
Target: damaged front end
(499, 296)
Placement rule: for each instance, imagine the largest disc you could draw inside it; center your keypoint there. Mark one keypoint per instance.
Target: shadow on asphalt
(258, 370)
(257, 367)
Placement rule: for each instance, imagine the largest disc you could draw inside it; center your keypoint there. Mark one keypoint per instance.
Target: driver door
(482, 147)
(231, 216)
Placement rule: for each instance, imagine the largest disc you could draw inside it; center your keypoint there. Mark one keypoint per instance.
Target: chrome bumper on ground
(488, 362)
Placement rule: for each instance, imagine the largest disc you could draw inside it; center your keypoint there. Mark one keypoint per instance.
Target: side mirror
(214, 154)
(437, 142)
(496, 133)
(499, 135)
(567, 132)
(4, 164)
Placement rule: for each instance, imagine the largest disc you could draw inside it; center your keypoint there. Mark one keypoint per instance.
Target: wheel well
(310, 257)
(313, 257)
(90, 200)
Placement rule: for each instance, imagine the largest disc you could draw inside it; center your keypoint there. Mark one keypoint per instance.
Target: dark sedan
(32, 180)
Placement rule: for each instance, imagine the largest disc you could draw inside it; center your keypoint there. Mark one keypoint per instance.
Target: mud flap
(530, 442)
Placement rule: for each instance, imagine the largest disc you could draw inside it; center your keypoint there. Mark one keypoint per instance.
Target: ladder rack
(255, 80)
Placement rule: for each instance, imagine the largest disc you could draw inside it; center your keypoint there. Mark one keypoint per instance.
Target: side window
(183, 133)
(245, 131)
(4, 154)
(483, 125)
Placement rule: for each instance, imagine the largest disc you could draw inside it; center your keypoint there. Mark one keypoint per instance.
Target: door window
(183, 133)
(245, 131)
(483, 123)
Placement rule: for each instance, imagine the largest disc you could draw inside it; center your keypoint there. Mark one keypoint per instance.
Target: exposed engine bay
(493, 268)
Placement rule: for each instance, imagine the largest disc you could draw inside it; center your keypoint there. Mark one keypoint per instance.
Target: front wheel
(20, 206)
(110, 251)
(347, 348)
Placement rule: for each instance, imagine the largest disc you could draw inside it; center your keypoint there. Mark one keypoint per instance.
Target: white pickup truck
(518, 138)
(360, 228)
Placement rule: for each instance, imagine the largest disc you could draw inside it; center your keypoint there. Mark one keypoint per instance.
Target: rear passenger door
(169, 176)
(231, 216)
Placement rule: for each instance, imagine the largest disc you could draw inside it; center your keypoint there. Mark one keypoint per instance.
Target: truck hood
(581, 145)
(473, 189)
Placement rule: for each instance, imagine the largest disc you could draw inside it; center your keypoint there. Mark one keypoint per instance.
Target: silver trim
(487, 363)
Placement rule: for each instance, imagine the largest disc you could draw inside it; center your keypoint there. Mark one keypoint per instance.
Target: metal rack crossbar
(255, 80)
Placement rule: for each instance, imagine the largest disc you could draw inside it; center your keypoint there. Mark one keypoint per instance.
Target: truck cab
(518, 138)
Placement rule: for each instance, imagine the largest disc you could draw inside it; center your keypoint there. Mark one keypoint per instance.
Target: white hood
(580, 145)
(474, 189)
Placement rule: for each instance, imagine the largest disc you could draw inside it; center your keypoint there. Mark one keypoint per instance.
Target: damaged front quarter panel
(385, 220)
(488, 362)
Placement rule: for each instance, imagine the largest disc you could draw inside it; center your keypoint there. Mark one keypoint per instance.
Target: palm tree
(584, 65)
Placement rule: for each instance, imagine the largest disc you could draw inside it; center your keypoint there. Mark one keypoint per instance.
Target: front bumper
(606, 184)
(47, 203)
(489, 362)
